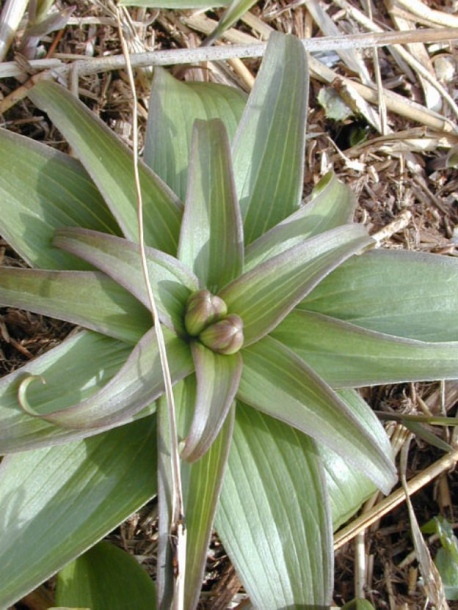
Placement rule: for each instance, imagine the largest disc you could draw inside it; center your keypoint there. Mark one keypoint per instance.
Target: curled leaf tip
(21, 394)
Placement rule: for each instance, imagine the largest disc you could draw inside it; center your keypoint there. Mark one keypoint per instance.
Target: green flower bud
(203, 309)
(225, 336)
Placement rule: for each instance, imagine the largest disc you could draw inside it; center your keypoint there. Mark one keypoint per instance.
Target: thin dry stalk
(388, 504)
(419, 9)
(177, 509)
(87, 67)
(408, 58)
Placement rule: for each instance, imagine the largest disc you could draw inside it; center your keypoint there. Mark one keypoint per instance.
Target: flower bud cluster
(207, 319)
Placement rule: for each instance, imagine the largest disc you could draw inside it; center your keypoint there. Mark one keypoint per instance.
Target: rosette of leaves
(273, 313)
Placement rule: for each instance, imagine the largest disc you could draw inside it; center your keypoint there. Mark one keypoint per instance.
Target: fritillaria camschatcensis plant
(273, 312)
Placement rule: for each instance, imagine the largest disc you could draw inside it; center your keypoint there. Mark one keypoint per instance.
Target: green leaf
(447, 538)
(427, 435)
(73, 371)
(273, 517)
(138, 384)
(68, 498)
(211, 238)
(332, 205)
(202, 482)
(277, 382)
(407, 294)
(105, 578)
(87, 298)
(184, 396)
(218, 379)
(119, 258)
(42, 189)
(235, 10)
(263, 296)
(347, 487)
(268, 149)
(110, 165)
(346, 355)
(358, 604)
(173, 108)
(448, 569)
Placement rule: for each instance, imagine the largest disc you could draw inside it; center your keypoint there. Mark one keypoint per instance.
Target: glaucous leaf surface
(273, 517)
(42, 189)
(171, 282)
(173, 108)
(169, 511)
(105, 578)
(202, 482)
(211, 238)
(348, 488)
(218, 378)
(276, 528)
(110, 165)
(73, 371)
(70, 296)
(137, 384)
(407, 294)
(40, 533)
(332, 205)
(346, 355)
(277, 382)
(266, 294)
(268, 147)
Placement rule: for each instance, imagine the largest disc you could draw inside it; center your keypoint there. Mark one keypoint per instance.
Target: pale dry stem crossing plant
(177, 527)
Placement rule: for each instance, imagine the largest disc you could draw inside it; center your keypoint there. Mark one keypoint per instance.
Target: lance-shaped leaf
(211, 238)
(138, 384)
(173, 108)
(73, 371)
(201, 482)
(110, 165)
(41, 189)
(276, 381)
(184, 395)
(332, 205)
(274, 479)
(348, 356)
(263, 296)
(218, 379)
(88, 298)
(408, 294)
(268, 148)
(105, 577)
(119, 258)
(103, 479)
(204, 479)
(235, 10)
